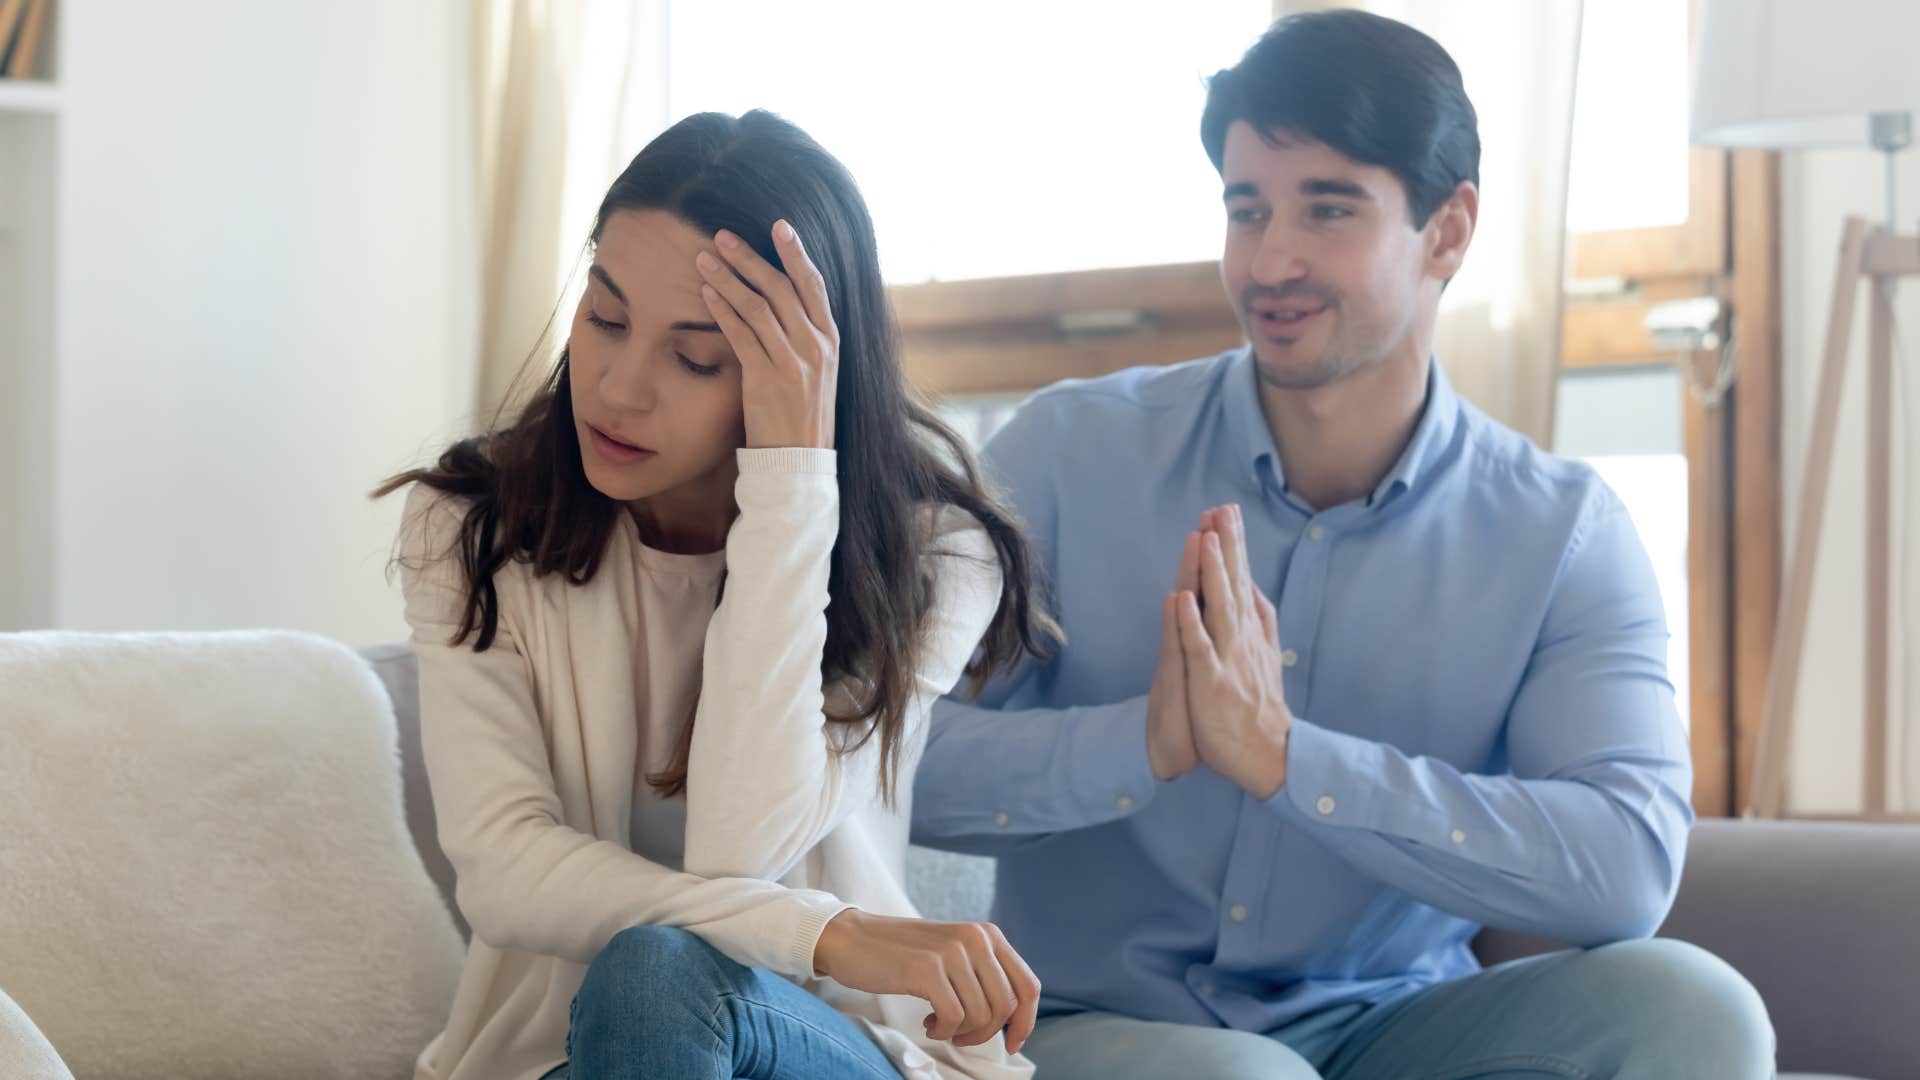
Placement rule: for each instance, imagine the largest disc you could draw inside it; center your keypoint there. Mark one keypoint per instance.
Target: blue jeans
(661, 1002)
(1636, 1009)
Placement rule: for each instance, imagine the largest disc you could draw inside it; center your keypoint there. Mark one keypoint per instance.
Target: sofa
(219, 860)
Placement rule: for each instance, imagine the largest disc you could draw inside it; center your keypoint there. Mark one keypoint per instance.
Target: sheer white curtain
(1499, 330)
(564, 93)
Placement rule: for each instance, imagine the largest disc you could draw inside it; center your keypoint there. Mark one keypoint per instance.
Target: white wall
(265, 304)
(1819, 189)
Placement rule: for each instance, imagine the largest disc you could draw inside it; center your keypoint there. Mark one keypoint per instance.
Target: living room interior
(255, 258)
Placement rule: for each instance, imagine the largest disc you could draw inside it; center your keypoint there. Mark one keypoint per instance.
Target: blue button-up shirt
(1483, 733)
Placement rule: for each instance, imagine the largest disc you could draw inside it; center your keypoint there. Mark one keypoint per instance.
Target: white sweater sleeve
(764, 785)
(526, 880)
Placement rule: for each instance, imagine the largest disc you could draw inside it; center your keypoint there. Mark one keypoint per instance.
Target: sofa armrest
(25, 1054)
(1822, 917)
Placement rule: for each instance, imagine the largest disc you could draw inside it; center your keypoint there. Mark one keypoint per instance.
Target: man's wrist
(1266, 765)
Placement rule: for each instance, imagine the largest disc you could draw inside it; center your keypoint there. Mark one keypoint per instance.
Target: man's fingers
(1194, 642)
(1188, 577)
(1217, 587)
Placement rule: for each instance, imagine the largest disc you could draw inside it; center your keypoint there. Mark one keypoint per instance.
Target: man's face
(1323, 264)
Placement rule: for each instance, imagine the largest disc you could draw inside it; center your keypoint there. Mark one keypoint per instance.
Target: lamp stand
(1881, 256)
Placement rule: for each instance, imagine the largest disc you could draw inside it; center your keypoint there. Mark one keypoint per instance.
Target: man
(1411, 680)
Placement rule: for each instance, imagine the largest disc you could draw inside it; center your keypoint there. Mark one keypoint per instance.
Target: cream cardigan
(535, 750)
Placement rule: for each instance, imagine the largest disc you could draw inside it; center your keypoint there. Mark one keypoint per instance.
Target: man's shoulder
(1535, 485)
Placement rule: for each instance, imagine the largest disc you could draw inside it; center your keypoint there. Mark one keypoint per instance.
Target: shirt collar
(1252, 441)
(1438, 419)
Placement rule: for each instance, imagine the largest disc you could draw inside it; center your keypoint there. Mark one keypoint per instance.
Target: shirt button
(1239, 913)
(1001, 819)
(1124, 802)
(1325, 805)
(1288, 658)
(1315, 533)
(1459, 837)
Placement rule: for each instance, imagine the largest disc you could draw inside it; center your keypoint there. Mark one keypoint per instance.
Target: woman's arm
(763, 782)
(526, 880)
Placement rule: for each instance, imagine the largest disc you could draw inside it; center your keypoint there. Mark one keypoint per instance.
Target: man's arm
(1585, 840)
(1005, 769)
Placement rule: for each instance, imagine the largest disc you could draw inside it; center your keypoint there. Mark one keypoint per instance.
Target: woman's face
(656, 388)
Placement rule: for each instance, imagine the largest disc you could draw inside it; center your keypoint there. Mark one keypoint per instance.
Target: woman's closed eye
(605, 324)
(702, 370)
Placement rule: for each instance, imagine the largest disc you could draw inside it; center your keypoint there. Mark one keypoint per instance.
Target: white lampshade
(1777, 73)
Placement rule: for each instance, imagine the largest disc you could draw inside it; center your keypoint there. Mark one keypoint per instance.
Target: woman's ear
(1450, 230)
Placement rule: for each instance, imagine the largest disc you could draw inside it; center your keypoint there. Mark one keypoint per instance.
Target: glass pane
(995, 138)
(1630, 117)
(1627, 425)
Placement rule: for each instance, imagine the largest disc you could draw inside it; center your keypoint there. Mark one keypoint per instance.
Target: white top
(536, 752)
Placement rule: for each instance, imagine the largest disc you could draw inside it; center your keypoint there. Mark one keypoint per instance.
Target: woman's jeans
(661, 1002)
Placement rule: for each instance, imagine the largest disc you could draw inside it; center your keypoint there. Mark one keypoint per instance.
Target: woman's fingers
(948, 1013)
(1026, 990)
(965, 981)
(751, 307)
(763, 279)
(746, 344)
(1000, 998)
(807, 280)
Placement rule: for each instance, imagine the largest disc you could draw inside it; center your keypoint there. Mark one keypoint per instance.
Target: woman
(679, 625)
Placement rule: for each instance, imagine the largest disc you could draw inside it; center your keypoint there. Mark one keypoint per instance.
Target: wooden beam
(1775, 743)
(1177, 292)
(1708, 629)
(1018, 366)
(1757, 526)
(1873, 753)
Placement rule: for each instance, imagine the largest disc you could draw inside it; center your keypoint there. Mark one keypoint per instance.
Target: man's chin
(1293, 367)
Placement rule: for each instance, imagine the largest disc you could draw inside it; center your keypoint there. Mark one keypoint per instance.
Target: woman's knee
(659, 965)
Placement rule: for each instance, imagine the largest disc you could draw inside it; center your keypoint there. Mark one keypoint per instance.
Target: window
(1000, 139)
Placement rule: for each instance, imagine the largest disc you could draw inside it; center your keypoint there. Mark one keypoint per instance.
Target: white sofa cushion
(205, 870)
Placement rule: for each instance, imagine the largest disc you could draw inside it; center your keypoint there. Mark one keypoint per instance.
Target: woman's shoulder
(957, 547)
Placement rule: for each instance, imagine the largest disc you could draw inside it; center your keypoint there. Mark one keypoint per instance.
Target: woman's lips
(614, 450)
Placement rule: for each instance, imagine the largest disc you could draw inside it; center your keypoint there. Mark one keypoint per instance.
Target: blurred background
(256, 256)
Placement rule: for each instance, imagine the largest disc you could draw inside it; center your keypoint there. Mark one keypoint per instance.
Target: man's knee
(1088, 1045)
(1684, 1008)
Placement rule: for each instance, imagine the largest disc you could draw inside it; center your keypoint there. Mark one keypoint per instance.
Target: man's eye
(1325, 212)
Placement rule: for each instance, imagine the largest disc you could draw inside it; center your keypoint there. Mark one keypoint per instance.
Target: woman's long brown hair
(527, 495)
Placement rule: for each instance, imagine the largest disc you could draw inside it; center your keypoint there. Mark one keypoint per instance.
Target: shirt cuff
(821, 909)
(786, 460)
(1334, 780)
(1106, 757)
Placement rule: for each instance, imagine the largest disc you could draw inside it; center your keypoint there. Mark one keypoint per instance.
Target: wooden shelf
(29, 96)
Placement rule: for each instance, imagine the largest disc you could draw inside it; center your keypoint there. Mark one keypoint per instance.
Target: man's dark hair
(1378, 91)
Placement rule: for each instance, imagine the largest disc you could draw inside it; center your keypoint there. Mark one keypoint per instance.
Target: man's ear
(1450, 230)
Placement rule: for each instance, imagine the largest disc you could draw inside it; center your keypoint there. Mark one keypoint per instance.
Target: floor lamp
(1799, 73)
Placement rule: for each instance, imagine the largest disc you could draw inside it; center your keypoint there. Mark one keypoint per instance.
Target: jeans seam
(1511, 1062)
(830, 1036)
